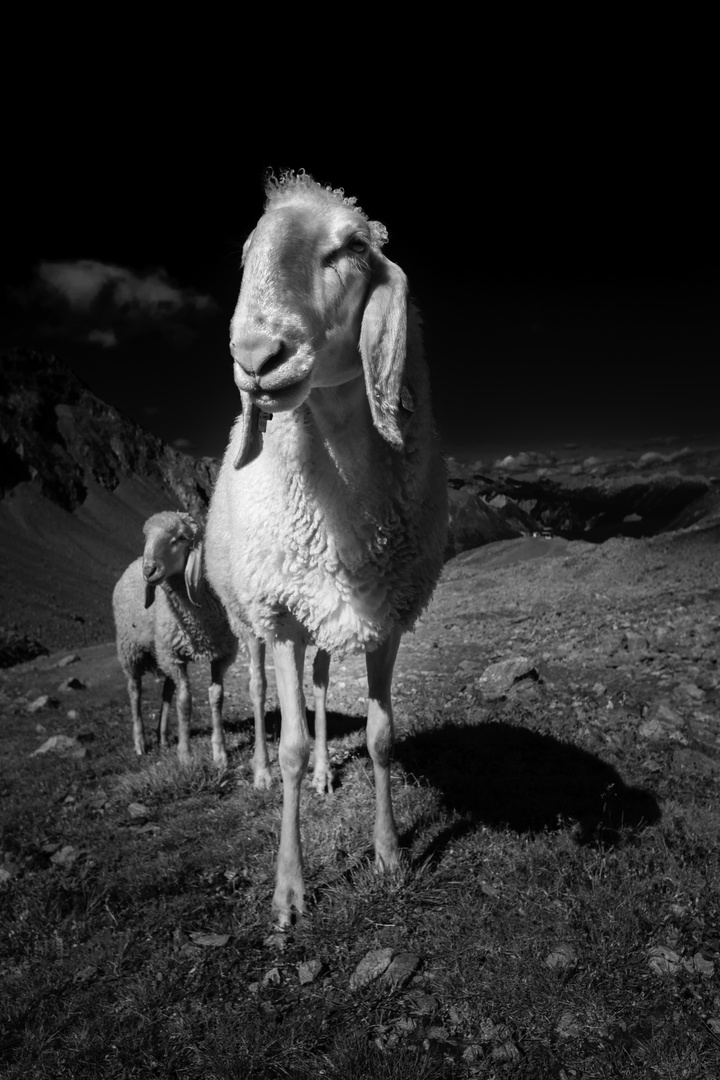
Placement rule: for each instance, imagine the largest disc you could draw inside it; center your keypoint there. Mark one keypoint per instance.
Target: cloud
(105, 304)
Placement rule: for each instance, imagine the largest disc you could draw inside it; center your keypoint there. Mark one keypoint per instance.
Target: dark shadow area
(500, 775)
(338, 724)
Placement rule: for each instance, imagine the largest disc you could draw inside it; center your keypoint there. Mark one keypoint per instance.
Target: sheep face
(319, 306)
(298, 317)
(170, 551)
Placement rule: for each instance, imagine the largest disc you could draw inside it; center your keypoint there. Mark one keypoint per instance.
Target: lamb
(165, 616)
(328, 519)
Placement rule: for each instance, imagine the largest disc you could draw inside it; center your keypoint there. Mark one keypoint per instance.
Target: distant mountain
(77, 481)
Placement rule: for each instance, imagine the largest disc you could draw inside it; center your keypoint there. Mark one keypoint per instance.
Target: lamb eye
(358, 245)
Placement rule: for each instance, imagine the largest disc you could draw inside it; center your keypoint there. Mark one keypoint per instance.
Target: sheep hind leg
(323, 775)
(168, 692)
(294, 754)
(184, 709)
(134, 685)
(257, 686)
(216, 696)
(380, 664)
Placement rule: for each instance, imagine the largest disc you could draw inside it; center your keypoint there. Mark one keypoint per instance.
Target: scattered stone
(65, 856)
(424, 1003)
(272, 977)
(309, 971)
(700, 964)
(138, 811)
(662, 960)
(72, 714)
(507, 1051)
(497, 679)
(662, 722)
(71, 684)
(401, 970)
(45, 701)
(568, 1026)
(694, 761)
(563, 955)
(71, 658)
(371, 967)
(6, 874)
(61, 744)
(209, 941)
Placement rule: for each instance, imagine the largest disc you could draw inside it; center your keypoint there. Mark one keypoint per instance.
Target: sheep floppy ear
(250, 425)
(383, 343)
(194, 581)
(149, 595)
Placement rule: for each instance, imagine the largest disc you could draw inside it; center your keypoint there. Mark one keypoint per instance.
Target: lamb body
(329, 528)
(165, 617)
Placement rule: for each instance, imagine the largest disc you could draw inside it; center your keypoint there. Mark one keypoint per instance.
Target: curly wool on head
(289, 184)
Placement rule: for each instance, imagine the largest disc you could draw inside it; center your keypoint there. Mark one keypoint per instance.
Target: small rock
(568, 1026)
(72, 714)
(700, 964)
(497, 679)
(5, 875)
(45, 701)
(371, 967)
(309, 971)
(507, 1051)
(401, 969)
(563, 955)
(209, 941)
(71, 658)
(138, 811)
(694, 761)
(272, 977)
(61, 744)
(71, 684)
(662, 960)
(66, 856)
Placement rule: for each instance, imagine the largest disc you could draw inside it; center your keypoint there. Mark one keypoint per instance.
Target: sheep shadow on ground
(504, 776)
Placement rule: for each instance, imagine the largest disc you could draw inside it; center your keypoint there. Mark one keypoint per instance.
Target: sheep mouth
(281, 398)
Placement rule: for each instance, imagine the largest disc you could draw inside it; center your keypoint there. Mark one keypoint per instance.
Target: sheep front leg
(134, 685)
(168, 692)
(184, 708)
(216, 696)
(289, 656)
(258, 689)
(323, 776)
(380, 664)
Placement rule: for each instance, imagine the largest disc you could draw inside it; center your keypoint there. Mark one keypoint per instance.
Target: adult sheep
(328, 519)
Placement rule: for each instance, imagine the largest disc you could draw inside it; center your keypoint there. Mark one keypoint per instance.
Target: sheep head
(172, 549)
(319, 306)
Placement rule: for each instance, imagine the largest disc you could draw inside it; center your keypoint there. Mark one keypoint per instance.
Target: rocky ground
(617, 642)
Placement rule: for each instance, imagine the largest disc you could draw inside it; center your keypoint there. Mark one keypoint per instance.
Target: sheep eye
(358, 245)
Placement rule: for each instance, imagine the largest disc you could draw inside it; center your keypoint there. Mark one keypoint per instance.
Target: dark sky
(563, 252)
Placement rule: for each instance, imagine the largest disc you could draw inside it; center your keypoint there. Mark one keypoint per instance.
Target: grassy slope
(549, 848)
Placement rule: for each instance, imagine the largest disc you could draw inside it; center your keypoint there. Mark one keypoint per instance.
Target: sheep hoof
(288, 910)
(323, 780)
(262, 779)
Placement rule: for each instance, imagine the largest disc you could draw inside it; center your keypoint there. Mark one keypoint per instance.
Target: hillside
(77, 480)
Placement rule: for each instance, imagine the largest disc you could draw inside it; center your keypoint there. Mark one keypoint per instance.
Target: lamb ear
(251, 441)
(149, 595)
(194, 581)
(383, 343)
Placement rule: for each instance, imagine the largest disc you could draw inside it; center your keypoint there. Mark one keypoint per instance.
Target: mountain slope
(77, 481)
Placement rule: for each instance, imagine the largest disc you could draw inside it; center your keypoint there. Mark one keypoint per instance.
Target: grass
(135, 938)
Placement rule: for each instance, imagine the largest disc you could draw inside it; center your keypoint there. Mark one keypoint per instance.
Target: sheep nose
(256, 353)
(150, 569)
